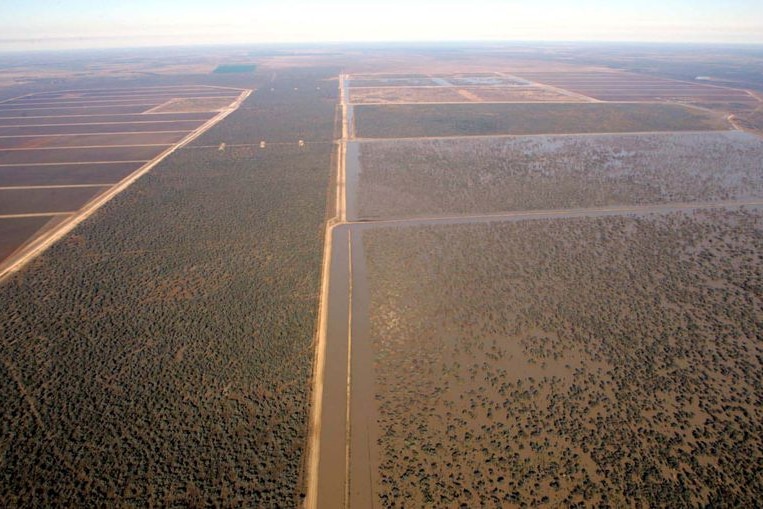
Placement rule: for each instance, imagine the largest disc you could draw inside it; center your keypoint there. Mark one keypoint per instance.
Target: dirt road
(327, 451)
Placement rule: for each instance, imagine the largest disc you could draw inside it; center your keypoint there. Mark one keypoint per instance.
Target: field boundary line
(61, 186)
(87, 101)
(102, 123)
(22, 108)
(554, 88)
(153, 87)
(36, 214)
(566, 135)
(85, 147)
(267, 144)
(127, 133)
(11, 165)
(559, 213)
(390, 103)
(175, 100)
(15, 98)
(39, 245)
(626, 73)
(137, 114)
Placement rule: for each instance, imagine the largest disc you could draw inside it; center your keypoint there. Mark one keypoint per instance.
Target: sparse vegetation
(606, 362)
(424, 177)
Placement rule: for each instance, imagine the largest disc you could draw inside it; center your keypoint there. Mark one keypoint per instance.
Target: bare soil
(15, 232)
(81, 155)
(87, 173)
(34, 201)
(194, 105)
(90, 140)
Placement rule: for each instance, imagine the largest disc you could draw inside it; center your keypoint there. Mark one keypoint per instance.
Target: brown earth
(35, 201)
(65, 174)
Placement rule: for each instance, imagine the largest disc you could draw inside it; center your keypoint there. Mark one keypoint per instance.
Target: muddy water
(350, 121)
(363, 423)
(352, 176)
(333, 433)
(350, 112)
(348, 286)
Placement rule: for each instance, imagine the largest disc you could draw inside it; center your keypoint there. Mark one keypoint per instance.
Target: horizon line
(335, 43)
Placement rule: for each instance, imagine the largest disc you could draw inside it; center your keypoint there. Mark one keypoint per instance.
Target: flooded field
(415, 178)
(513, 361)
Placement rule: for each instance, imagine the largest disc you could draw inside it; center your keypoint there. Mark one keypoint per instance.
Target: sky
(63, 24)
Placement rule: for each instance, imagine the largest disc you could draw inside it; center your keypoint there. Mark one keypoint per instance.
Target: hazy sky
(87, 23)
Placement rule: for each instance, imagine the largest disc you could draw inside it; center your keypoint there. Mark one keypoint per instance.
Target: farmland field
(622, 86)
(563, 298)
(392, 81)
(86, 173)
(109, 127)
(28, 201)
(189, 105)
(89, 140)
(78, 138)
(99, 118)
(410, 121)
(541, 286)
(161, 353)
(74, 111)
(313, 121)
(457, 94)
(14, 232)
(405, 94)
(608, 361)
(524, 94)
(408, 178)
(82, 155)
(487, 80)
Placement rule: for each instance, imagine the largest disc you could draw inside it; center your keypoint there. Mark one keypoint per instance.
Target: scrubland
(610, 362)
(433, 177)
(426, 120)
(161, 354)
